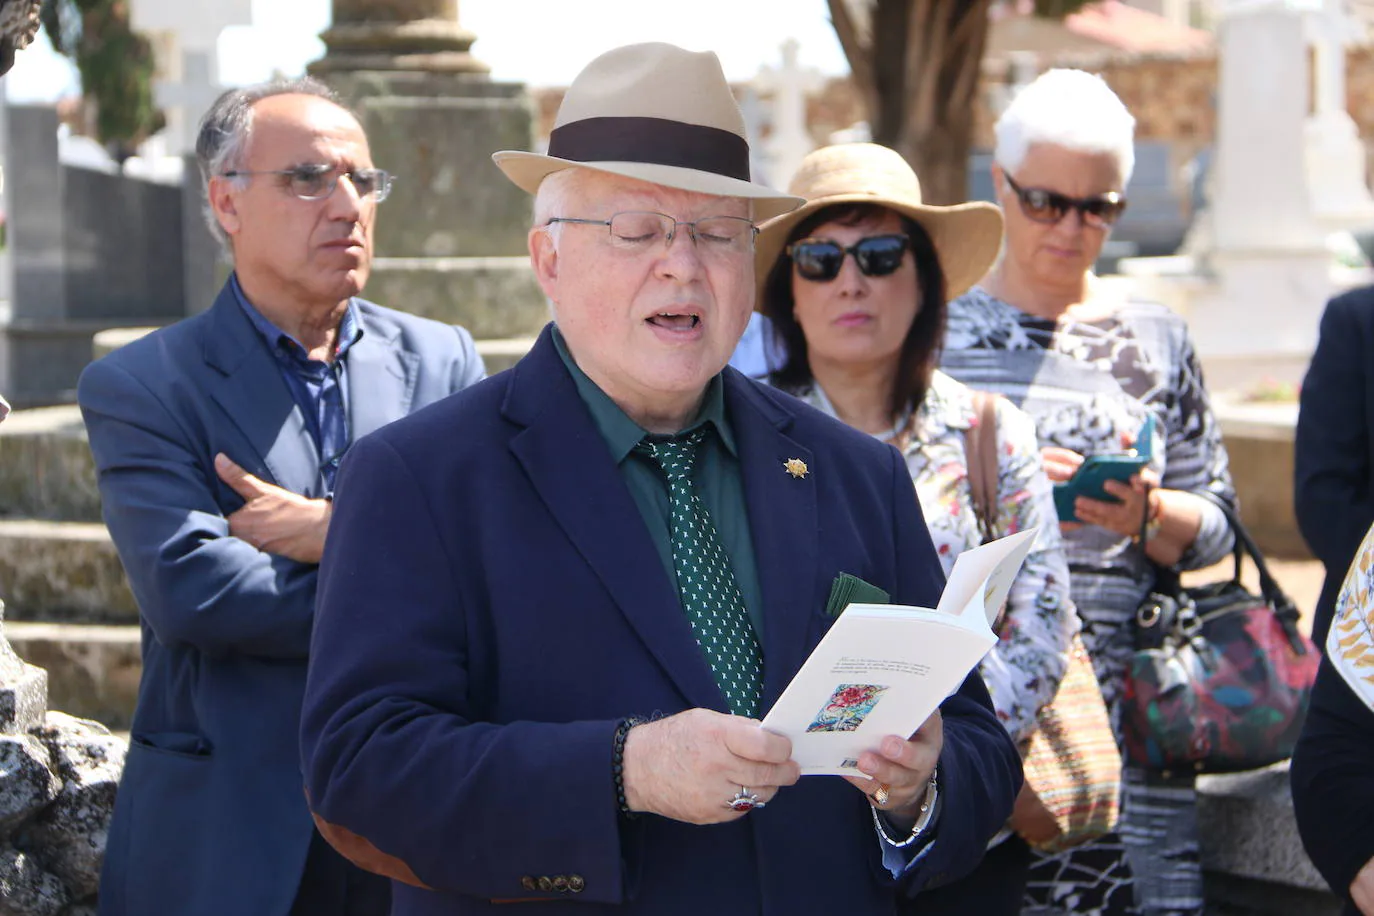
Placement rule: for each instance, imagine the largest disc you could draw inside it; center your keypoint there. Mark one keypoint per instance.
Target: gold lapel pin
(796, 467)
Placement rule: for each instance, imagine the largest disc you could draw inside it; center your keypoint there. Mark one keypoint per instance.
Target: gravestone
(1335, 152)
(1257, 268)
(451, 238)
(1268, 252)
(91, 250)
(788, 141)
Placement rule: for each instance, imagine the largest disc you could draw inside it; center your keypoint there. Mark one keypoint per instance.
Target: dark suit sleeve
(1333, 781)
(980, 769)
(195, 583)
(393, 744)
(1331, 450)
(468, 368)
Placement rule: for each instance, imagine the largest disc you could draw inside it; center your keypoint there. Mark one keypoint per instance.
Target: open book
(884, 668)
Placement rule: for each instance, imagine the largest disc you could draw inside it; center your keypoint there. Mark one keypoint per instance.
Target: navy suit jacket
(1333, 785)
(490, 606)
(1333, 490)
(211, 818)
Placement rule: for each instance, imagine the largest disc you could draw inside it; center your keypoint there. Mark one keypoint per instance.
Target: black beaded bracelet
(618, 761)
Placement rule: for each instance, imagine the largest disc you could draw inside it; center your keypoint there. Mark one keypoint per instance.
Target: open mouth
(671, 321)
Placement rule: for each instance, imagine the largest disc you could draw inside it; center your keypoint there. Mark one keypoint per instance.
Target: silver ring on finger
(744, 800)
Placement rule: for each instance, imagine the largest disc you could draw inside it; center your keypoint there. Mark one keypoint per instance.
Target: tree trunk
(917, 65)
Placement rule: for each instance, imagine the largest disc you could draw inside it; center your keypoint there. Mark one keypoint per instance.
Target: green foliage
(116, 66)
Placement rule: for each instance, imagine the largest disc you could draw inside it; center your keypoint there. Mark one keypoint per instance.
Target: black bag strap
(1168, 581)
(1245, 545)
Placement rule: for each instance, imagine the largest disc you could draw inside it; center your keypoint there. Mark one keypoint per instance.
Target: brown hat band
(653, 140)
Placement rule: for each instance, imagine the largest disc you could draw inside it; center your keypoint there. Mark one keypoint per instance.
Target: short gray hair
(555, 195)
(222, 143)
(1072, 109)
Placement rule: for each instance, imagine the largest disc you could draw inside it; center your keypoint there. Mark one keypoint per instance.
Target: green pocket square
(847, 590)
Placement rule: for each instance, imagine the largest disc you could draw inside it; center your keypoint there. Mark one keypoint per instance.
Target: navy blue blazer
(1333, 490)
(1332, 776)
(490, 606)
(211, 819)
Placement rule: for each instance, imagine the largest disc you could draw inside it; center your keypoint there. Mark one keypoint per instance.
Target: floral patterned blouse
(1023, 670)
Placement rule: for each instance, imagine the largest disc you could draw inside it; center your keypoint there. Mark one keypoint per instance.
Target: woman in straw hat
(1092, 366)
(855, 284)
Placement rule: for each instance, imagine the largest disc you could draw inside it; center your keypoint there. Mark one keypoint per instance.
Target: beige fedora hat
(657, 113)
(967, 237)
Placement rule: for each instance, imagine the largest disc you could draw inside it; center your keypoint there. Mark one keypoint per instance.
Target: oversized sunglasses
(1049, 207)
(820, 260)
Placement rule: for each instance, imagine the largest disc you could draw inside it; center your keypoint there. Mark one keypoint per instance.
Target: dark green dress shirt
(717, 477)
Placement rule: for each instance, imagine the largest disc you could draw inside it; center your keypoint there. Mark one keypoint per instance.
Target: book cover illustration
(847, 708)
(882, 669)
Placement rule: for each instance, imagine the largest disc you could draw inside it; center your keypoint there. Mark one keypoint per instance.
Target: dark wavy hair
(920, 352)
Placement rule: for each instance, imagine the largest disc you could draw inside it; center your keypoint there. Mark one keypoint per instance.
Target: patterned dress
(1087, 382)
(1024, 669)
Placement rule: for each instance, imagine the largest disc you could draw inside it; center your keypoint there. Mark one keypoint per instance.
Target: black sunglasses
(1049, 207)
(820, 260)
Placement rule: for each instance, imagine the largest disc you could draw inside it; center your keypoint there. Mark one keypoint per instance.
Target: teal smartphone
(1098, 469)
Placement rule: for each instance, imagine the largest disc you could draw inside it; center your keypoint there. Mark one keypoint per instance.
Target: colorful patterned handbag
(1221, 677)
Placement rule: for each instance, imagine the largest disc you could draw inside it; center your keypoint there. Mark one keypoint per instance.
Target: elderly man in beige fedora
(554, 607)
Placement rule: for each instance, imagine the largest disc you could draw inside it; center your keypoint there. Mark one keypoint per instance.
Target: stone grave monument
(1335, 152)
(89, 250)
(1258, 267)
(788, 140)
(451, 238)
(58, 779)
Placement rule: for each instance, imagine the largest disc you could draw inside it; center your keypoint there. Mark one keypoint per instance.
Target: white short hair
(1071, 109)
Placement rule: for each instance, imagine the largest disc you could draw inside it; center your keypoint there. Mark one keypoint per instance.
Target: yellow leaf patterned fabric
(1350, 642)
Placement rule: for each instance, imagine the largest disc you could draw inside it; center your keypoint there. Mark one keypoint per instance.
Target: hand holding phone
(1095, 470)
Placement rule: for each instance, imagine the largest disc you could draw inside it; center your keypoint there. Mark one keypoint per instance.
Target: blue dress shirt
(320, 388)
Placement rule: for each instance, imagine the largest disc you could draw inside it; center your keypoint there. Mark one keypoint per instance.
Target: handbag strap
(980, 448)
(1168, 581)
(1245, 545)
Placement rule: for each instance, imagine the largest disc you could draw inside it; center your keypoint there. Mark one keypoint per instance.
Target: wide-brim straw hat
(967, 237)
(656, 113)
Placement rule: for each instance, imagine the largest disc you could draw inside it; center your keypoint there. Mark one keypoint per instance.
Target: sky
(539, 42)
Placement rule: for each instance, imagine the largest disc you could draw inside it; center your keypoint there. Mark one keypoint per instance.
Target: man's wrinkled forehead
(302, 125)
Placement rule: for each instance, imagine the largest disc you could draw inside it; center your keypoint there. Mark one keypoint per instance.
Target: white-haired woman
(1090, 366)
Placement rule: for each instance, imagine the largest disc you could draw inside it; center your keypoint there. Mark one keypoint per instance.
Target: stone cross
(789, 141)
(185, 100)
(185, 36)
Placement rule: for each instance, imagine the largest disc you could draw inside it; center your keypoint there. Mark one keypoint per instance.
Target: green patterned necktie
(705, 580)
